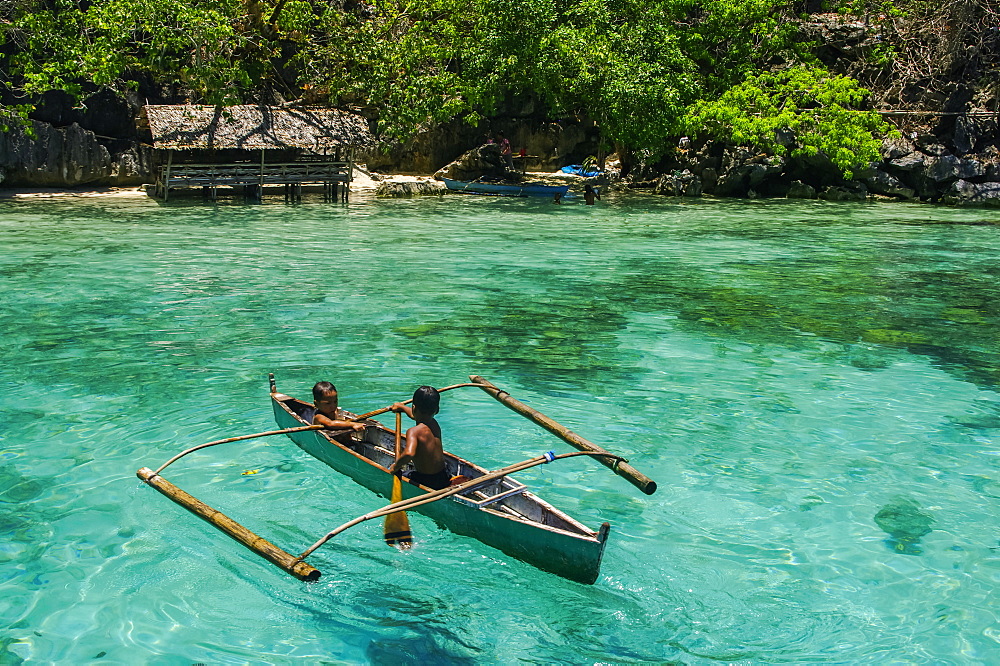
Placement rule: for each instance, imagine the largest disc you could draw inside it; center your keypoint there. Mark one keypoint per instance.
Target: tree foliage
(643, 70)
(815, 107)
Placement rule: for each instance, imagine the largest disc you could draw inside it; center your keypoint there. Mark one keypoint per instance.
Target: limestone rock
(851, 192)
(53, 157)
(476, 163)
(910, 162)
(882, 182)
(800, 190)
(964, 193)
(683, 183)
(948, 167)
(894, 148)
(409, 188)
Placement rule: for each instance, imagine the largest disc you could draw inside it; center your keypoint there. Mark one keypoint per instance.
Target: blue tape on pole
(549, 456)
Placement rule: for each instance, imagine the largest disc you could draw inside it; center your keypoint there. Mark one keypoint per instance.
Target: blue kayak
(506, 189)
(579, 170)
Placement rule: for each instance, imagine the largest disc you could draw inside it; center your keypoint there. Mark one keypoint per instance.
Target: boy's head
(325, 398)
(426, 400)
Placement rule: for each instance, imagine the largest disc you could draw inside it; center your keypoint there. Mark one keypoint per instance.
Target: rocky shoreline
(961, 169)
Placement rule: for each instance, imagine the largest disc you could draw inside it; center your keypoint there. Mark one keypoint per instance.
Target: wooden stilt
(624, 470)
(166, 176)
(230, 527)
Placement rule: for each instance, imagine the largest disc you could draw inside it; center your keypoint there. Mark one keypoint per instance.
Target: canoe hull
(506, 190)
(549, 539)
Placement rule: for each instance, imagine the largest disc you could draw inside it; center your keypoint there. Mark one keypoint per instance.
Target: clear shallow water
(813, 385)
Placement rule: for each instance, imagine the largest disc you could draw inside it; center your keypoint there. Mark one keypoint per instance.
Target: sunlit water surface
(813, 386)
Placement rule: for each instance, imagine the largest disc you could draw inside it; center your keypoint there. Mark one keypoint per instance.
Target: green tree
(818, 108)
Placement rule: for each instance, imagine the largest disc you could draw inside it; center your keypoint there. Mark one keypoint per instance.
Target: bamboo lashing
(622, 469)
(230, 527)
(435, 495)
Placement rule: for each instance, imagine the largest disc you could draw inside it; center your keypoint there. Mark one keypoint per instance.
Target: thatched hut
(252, 146)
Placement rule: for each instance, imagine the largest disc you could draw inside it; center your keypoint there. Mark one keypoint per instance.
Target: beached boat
(507, 189)
(501, 513)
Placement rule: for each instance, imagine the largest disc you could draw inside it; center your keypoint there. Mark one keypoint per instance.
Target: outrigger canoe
(489, 506)
(501, 514)
(506, 189)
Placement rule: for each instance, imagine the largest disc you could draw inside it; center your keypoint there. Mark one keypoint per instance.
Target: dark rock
(133, 167)
(910, 162)
(734, 182)
(849, 192)
(882, 182)
(683, 183)
(54, 157)
(785, 137)
(709, 180)
(931, 145)
(835, 36)
(964, 193)
(770, 168)
(410, 188)
(799, 190)
(894, 148)
(948, 168)
(476, 163)
(965, 136)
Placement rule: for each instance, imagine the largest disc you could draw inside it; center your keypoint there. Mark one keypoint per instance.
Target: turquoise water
(813, 385)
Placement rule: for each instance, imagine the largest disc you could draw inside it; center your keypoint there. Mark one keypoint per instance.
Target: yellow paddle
(397, 525)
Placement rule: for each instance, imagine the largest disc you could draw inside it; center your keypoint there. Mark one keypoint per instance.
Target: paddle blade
(397, 525)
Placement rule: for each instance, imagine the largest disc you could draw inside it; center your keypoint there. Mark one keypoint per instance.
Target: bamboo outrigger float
(489, 506)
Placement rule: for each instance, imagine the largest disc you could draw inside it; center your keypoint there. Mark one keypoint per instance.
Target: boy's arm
(400, 408)
(408, 453)
(321, 419)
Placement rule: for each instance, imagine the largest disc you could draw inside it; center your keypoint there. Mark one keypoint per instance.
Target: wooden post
(166, 177)
(624, 470)
(230, 527)
(350, 173)
(260, 187)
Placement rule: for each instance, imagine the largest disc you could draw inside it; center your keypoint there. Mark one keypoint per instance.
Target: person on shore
(590, 194)
(325, 397)
(505, 151)
(423, 441)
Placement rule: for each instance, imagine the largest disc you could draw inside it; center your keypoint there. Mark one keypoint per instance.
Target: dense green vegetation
(646, 71)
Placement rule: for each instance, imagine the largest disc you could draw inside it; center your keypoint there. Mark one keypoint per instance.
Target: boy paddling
(423, 441)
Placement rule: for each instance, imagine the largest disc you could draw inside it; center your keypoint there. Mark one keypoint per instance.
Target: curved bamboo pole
(284, 431)
(619, 466)
(385, 409)
(434, 496)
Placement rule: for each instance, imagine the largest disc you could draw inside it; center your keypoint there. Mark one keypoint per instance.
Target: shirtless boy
(325, 398)
(423, 441)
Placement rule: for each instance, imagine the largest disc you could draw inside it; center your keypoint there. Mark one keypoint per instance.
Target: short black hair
(427, 399)
(322, 389)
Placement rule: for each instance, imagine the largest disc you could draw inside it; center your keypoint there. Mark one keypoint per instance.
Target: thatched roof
(251, 127)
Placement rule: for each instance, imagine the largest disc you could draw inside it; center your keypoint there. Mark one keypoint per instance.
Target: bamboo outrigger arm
(230, 527)
(618, 466)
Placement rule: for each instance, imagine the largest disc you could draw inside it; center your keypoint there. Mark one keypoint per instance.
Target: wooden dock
(333, 175)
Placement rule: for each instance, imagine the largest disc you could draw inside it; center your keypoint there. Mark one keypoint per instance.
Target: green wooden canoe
(501, 513)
